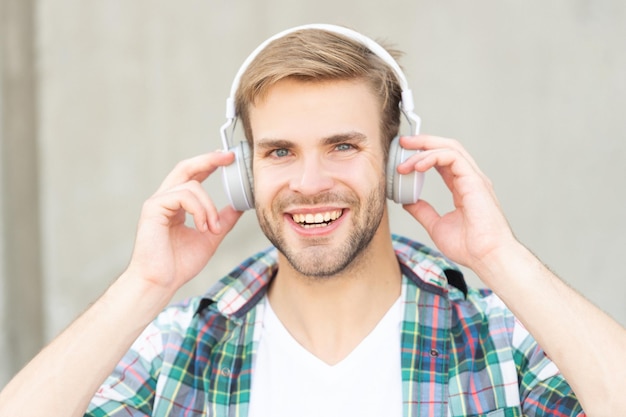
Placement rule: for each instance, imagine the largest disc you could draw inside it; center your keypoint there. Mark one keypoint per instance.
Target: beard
(324, 256)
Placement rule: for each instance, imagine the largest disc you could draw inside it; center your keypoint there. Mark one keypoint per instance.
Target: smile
(310, 220)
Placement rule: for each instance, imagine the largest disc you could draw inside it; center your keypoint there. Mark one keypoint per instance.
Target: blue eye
(281, 152)
(344, 147)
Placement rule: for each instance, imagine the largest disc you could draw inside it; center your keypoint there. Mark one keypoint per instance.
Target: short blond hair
(317, 55)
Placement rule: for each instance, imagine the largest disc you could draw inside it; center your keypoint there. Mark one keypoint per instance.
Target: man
(342, 318)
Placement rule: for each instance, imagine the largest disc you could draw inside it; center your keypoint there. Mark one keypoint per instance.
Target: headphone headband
(406, 104)
(238, 179)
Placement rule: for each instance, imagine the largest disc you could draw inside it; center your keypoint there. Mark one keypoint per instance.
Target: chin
(326, 262)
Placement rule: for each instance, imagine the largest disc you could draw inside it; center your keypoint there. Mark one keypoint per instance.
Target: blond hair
(316, 55)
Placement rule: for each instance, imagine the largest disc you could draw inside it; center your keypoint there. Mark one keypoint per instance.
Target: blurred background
(100, 98)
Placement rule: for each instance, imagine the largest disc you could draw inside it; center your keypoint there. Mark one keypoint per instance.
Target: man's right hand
(168, 253)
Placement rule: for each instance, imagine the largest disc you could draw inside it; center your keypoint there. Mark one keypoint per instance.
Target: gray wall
(21, 291)
(123, 90)
(4, 359)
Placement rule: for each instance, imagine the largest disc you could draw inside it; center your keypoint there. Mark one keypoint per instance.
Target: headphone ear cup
(391, 168)
(406, 188)
(238, 178)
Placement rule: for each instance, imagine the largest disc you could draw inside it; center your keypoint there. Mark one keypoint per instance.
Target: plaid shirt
(462, 351)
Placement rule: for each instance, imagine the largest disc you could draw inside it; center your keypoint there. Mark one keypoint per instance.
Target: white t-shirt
(289, 381)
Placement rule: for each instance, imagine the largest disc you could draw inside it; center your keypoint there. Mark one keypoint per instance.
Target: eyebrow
(273, 144)
(344, 137)
(269, 143)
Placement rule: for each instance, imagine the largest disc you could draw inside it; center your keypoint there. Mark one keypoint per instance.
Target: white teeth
(317, 219)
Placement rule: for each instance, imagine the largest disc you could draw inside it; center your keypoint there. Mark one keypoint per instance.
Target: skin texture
(317, 149)
(302, 166)
(327, 309)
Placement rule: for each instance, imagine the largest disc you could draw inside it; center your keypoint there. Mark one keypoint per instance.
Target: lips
(311, 220)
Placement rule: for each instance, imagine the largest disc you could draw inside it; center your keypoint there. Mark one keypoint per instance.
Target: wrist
(140, 298)
(494, 268)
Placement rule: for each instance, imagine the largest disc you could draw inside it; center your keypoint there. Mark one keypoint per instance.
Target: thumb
(228, 217)
(424, 213)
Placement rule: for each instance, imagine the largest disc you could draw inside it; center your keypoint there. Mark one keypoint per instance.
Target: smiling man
(339, 317)
(319, 176)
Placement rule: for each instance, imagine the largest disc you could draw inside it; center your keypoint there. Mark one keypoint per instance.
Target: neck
(330, 316)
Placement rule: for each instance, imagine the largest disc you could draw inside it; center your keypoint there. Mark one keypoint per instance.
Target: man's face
(318, 172)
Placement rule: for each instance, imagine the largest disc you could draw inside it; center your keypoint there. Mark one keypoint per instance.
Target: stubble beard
(320, 259)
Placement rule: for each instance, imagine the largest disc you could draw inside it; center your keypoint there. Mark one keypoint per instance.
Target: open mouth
(311, 220)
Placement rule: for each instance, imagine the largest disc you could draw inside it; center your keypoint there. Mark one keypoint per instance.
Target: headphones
(238, 182)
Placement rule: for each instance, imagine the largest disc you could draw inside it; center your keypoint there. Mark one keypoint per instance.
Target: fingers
(182, 192)
(448, 156)
(191, 198)
(430, 145)
(196, 169)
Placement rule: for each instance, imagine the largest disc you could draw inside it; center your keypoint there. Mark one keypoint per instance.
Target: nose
(310, 176)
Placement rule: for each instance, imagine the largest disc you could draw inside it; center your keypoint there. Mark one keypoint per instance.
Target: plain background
(100, 99)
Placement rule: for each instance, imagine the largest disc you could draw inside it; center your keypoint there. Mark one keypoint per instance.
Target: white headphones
(238, 182)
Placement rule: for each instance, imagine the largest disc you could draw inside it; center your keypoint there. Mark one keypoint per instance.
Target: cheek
(266, 185)
(367, 173)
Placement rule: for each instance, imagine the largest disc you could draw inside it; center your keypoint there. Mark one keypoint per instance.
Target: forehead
(291, 109)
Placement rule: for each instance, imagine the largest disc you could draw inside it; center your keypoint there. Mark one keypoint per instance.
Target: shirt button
(434, 353)
(225, 372)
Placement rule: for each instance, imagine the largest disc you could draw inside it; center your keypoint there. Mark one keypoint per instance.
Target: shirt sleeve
(135, 387)
(130, 389)
(543, 389)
